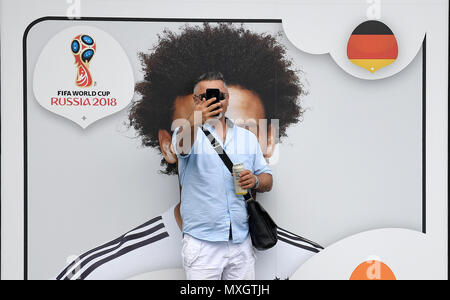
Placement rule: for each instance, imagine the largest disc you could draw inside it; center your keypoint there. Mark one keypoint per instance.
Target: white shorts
(203, 260)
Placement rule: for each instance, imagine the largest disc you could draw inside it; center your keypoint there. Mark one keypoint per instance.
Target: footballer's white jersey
(156, 245)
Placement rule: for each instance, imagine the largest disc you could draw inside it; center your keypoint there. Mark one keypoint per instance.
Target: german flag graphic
(372, 46)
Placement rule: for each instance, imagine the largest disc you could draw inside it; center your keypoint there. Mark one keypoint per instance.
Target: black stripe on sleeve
(295, 237)
(123, 252)
(298, 245)
(122, 241)
(61, 275)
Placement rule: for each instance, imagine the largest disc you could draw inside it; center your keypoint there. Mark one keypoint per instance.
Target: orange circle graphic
(373, 270)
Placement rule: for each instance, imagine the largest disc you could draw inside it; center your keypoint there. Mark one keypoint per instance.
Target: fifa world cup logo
(83, 48)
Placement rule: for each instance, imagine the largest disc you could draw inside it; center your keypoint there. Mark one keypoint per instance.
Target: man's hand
(247, 179)
(200, 106)
(207, 110)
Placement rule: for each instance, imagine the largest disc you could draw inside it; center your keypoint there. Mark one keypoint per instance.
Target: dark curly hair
(250, 60)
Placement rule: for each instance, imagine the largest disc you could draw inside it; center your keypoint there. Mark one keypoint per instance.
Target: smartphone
(211, 93)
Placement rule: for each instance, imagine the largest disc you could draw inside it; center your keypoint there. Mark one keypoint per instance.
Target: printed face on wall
(245, 108)
(264, 91)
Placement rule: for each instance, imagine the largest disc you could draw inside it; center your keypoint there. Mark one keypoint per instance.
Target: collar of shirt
(230, 132)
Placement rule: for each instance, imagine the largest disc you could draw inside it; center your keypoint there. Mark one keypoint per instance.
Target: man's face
(243, 106)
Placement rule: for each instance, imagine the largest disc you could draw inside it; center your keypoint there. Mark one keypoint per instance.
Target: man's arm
(265, 183)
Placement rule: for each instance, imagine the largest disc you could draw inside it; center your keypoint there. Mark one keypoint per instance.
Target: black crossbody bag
(263, 230)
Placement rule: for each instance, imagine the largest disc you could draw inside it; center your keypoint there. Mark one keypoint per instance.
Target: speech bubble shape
(83, 74)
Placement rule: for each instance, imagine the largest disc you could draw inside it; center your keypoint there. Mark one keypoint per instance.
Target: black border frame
(186, 20)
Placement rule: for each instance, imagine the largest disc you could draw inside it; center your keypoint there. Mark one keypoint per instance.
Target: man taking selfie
(216, 240)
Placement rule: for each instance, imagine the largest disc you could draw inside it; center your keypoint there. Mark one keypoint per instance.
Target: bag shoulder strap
(223, 156)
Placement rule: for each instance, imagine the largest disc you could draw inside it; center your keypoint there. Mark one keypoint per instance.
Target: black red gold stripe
(372, 46)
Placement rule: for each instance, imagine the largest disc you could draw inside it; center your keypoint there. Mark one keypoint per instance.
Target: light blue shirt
(208, 199)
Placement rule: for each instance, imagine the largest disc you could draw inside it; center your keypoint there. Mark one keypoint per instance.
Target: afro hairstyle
(254, 61)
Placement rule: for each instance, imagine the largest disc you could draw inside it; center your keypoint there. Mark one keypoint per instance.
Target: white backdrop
(333, 20)
(352, 165)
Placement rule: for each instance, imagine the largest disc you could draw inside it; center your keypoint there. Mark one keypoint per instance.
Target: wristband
(257, 182)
